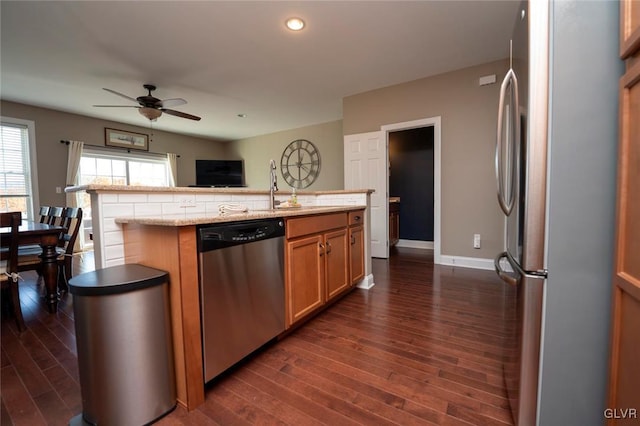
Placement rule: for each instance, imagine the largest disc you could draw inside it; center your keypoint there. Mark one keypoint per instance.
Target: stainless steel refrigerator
(521, 170)
(555, 163)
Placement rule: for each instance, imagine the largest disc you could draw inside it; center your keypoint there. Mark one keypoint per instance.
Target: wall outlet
(58, 190)
(476, 241)
(487, 79)
(187, 202)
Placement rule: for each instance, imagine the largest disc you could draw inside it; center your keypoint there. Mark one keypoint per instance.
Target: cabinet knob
(353, 240)
(321, 247)
(328, 247)
(357, 218)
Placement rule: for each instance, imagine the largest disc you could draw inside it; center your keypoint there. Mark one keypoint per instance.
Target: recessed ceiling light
(295, 24)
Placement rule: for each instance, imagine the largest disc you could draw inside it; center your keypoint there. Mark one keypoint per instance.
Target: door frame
(434, 122)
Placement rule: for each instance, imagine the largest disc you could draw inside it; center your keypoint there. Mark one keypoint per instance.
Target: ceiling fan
(152, 107)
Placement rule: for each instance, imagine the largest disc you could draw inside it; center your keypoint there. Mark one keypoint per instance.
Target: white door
(365, 167)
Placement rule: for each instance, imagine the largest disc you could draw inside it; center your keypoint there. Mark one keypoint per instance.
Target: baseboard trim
(366, 283)
(467, 262)
(427, 245)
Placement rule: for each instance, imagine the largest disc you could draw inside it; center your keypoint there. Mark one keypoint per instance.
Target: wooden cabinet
(322, 260)
(356, 246)
(394, 223)
(624, 369)
(304, 277)
(336, 263)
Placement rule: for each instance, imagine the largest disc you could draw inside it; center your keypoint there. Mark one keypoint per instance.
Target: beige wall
(52, 126)
(257, 151)
(469, 120)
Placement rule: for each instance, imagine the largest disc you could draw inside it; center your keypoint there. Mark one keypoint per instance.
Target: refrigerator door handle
(510, 82)
(539, 274)
(504, 276)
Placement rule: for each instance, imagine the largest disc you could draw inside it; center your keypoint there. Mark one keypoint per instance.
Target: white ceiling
(231, 57)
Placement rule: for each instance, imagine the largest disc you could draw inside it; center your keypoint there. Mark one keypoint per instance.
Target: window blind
(15, 169)
(14, 162)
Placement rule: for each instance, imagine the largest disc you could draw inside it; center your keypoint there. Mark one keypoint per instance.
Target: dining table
(47, 237)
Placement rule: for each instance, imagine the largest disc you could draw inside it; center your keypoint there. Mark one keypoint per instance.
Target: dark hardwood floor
(424, 346)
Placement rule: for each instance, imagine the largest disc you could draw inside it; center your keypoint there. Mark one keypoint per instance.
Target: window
(106, 168)
(117, 168)
(18, 179)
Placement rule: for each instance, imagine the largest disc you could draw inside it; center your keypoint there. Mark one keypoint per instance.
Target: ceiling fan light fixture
(295, 24)
(150, 113)
(151, 107)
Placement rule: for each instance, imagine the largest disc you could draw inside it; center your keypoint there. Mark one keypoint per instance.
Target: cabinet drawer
(299, 226)
(356, 217)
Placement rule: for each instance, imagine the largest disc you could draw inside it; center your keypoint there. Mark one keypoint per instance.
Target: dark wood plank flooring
(424, 346)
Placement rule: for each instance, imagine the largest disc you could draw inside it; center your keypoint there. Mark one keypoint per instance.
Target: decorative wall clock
(300, 163)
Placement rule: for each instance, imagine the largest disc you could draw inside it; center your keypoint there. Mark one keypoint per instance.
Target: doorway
(366, 165)
(434, 123)
(411, 180)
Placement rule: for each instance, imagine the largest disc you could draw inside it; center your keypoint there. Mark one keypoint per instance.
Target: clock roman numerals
(300, 163)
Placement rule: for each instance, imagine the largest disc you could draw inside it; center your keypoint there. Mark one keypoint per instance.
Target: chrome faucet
(273, 185)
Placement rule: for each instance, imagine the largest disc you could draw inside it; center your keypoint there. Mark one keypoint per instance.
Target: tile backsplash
(106, 207)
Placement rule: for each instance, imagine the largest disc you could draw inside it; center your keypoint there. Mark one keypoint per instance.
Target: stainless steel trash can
(125, 352)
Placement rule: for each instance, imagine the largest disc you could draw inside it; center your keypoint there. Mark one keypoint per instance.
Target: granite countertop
(236, 217)
(156, 189)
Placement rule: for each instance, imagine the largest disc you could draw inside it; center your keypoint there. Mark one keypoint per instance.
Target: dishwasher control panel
(212, 237)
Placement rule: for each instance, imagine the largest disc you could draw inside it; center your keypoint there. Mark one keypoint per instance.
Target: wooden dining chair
(29, 257)
(44, 218)
(44, 213)
(54, 217)
(9, 266)
(71, 220)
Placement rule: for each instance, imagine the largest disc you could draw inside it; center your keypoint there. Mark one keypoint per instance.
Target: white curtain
(73, 164)
(173, 168)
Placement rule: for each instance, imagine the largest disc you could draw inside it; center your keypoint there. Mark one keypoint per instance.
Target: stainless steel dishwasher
(241, 267)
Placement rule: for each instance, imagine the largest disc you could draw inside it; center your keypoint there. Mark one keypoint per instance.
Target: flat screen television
(219, 173)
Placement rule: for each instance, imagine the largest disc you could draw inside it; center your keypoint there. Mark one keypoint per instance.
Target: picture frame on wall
(123, 139)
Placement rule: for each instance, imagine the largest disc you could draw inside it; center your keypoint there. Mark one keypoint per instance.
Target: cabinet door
(337, 267)
(624, 369)
(304, 276)
(356, 254)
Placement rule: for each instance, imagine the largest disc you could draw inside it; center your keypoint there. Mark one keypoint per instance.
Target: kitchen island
(157, 227)
(109, 202)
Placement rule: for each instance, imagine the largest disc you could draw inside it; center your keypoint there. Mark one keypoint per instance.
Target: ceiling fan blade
(173, 102)
(117, 106)
(120, 94)
(180, 114)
